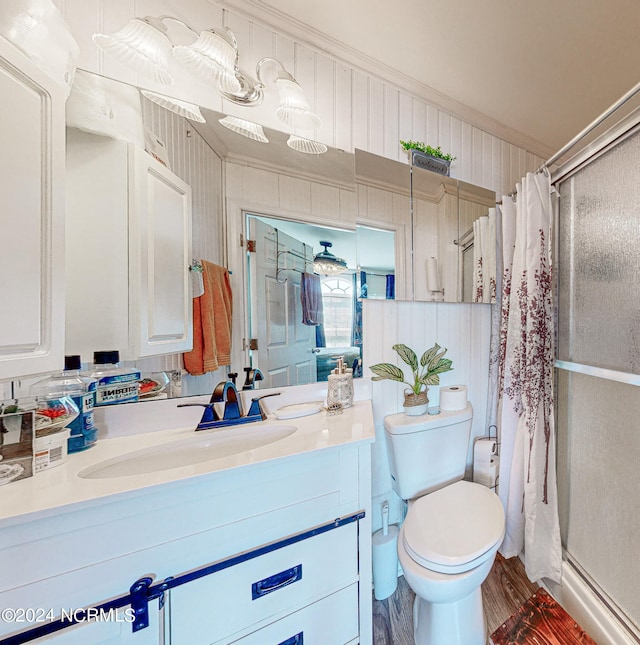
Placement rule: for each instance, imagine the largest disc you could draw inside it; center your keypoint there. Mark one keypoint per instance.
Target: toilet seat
(455, 528)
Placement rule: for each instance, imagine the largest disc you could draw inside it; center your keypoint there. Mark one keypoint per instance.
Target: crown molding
(260, 11)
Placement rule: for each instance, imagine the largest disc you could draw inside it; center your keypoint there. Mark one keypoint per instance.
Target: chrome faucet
(227, 393)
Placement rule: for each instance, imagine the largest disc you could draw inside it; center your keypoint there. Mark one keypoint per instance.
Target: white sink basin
(202, 446)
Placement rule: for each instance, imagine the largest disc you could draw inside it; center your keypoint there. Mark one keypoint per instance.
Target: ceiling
(545, 69)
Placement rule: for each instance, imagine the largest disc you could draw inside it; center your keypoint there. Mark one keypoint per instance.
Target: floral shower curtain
(484, 258)
(525, 415)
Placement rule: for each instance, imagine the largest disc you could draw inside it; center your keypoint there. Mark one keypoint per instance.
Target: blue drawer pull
(276, 581)
(294, 640)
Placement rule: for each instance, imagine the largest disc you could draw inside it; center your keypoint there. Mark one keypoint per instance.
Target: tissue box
(16, 441)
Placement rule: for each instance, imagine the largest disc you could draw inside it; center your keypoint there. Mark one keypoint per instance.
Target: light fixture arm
(158, 23)
(267, 59)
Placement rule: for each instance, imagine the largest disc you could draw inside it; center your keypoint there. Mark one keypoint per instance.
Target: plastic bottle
(115, 384)
(81, 390)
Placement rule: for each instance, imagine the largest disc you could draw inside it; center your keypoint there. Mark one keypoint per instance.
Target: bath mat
(543, 621)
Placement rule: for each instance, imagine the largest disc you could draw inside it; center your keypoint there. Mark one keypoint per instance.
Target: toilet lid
(451, 529)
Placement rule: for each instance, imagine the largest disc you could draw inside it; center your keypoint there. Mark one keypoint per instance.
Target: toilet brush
(385, 557)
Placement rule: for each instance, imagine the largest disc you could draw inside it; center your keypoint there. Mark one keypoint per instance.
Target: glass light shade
(294, 109)
(245, 128)
(326, 263)
(183, 108)
(211, 58)
(306, 145)
(143, 46)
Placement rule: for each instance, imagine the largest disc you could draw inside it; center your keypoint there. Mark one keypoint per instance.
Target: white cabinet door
(31, 218)
(128, 251)
(159, 256)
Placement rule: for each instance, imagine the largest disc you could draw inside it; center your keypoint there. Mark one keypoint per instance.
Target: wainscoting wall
(462, 328)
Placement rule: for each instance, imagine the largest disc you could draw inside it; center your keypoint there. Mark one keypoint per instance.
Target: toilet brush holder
(385, 557)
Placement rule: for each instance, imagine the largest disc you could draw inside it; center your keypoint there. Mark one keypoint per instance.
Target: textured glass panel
(599, 482)
(599, 261)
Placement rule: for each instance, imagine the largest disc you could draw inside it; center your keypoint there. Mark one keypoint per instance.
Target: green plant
(427, 372)
(434, 152)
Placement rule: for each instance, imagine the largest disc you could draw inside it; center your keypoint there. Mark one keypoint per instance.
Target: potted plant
(428, 157)
(426, 372)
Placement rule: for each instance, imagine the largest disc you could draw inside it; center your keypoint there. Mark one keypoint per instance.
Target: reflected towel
(212, 313)
(311, 298)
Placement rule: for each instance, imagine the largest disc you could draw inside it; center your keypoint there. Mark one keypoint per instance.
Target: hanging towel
(211, 322)
(311, 299)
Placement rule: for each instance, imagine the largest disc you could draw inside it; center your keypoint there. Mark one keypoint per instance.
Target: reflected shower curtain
(484, 258)
(525, 382)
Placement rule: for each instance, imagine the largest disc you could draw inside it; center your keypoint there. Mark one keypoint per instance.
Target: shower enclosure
(598, 398)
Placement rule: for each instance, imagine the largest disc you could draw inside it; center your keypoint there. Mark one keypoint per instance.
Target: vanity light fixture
(326, 263)
(246, 128)
(306, 145)
(143, 44)
(183, 108)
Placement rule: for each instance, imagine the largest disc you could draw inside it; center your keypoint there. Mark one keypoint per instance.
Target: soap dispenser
(340, 387)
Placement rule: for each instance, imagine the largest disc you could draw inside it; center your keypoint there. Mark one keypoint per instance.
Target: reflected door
(285, 352)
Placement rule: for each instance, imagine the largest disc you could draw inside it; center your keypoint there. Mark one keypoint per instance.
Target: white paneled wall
(358, 109)
(463, 328)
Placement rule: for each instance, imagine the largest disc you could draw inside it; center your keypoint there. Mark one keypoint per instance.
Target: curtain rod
(592, 126)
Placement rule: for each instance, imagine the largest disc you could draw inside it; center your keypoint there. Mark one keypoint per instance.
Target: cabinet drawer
(330, 621)
(265, 588)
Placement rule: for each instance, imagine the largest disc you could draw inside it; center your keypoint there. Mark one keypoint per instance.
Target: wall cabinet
(31, 217)
(128, 249)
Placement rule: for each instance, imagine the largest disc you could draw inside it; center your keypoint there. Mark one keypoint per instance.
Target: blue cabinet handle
(276, 581)
(298, 639)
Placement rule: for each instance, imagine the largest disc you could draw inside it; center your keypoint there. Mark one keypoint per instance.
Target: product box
(16, 440)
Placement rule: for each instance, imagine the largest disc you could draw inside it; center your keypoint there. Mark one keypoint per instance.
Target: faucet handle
(210, 414)
(256, 407)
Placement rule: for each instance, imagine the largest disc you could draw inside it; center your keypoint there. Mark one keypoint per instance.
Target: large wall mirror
(386, 225)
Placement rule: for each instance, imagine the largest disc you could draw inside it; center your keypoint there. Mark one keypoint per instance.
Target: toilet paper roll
(433, 279)
(453, 397)
(487, 474)
(483, 451)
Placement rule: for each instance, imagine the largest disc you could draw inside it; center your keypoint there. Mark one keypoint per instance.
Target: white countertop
(60, 488)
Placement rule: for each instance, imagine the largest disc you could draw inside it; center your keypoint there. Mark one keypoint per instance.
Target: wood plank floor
(505, 589)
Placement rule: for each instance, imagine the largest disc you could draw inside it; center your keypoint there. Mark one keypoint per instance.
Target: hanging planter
(428, 158)
(426, 372)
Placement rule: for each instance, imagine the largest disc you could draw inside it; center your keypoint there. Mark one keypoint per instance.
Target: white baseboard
(590, 610)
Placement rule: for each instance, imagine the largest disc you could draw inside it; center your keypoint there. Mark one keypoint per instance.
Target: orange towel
(211, 322)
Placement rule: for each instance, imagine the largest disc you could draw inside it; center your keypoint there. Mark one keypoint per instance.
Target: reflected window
(337, 300)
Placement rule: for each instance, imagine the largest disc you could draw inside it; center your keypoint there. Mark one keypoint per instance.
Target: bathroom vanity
(281, 524)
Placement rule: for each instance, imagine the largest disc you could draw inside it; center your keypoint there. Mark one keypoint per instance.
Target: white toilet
(453, 528)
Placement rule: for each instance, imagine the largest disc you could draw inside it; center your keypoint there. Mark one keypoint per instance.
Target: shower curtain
(484, 258)
(525, 415)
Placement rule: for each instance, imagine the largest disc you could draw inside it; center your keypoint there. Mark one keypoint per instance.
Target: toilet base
(452, 623)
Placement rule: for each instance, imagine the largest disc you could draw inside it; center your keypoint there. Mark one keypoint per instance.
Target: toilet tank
(427, 452)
